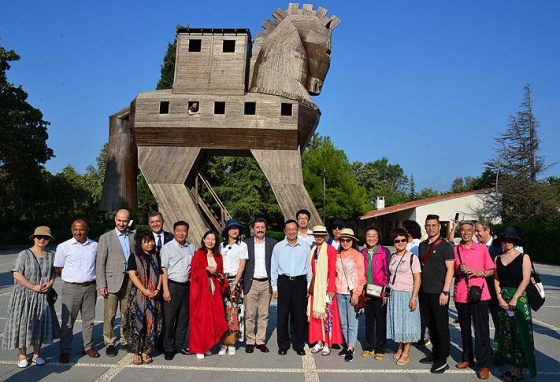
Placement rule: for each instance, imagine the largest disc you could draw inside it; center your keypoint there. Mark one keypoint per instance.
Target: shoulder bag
(535, 290)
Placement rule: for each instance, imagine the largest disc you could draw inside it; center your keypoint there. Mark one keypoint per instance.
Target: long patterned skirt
(513, 343)
(142, 328)
(234, 308)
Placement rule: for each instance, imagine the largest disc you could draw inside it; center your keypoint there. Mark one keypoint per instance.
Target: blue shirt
(123, 239)
(290, 261)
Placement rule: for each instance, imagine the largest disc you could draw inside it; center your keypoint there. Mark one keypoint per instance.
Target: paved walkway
(261, 367)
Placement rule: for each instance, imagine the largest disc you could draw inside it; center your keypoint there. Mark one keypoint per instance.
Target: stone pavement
(261, 367)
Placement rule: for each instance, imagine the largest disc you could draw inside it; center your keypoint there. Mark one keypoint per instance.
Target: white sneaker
(199, 356)
(223, 350)
(23, 363)
(231, 350)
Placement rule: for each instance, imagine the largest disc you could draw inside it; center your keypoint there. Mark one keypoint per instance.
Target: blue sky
(427, 84)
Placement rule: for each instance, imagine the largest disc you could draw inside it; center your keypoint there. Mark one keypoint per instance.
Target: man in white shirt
(303, 217)
(75, 262)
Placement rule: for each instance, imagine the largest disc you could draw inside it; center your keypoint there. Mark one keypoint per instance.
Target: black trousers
(438, 325)
(176, 316)
(376, 325)
(475, 314)
(292, 302)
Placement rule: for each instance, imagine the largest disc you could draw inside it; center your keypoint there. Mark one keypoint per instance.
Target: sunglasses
(338, 228)
(42, 237)
(346, 240)
(400, 241)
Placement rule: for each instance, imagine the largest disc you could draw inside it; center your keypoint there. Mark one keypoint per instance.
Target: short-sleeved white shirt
(77, 260)
(232, 254)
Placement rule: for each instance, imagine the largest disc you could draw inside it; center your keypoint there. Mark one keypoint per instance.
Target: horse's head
(317, 43)
(293, 54)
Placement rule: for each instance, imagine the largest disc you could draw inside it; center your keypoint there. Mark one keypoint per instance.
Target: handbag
(361, 304)
(52, 296)
(535, 290)
(229, 337)
(374, 290)
(474, 293)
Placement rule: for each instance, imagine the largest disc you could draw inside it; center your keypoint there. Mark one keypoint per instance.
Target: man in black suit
(256, 286)
(161, 237)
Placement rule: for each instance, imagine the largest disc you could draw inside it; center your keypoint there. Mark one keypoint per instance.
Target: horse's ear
(332, 22)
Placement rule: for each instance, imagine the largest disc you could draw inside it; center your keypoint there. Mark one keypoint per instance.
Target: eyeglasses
(42, 237)
(345, 240)
(337, 228)
(397, 241)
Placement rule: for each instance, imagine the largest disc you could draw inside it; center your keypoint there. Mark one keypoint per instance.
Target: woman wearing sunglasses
(350, 283)
(403, 315)
(31, 320)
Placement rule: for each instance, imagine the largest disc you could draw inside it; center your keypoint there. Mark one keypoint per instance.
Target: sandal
(397, 355)
(379, 357)
(403, 360)
(146, 358)
(136, 359)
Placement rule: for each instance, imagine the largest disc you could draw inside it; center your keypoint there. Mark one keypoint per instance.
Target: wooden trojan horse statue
(230, 97)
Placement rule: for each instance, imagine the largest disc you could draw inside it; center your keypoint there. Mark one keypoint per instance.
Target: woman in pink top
(350, 283)
(403, 315)
(472, 265)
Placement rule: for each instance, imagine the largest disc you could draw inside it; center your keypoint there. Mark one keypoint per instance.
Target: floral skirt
(513, 343)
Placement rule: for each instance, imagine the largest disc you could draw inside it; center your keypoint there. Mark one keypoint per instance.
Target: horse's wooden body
(254, 100)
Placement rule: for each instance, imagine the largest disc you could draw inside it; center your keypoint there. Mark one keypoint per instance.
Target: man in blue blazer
(256, 286)
(113, 283)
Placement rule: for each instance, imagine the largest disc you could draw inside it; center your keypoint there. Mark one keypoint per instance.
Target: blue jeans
(348, 319)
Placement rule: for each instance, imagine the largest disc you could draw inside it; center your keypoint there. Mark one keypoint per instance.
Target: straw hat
(348, 232)
(320, 230)
(42, 230)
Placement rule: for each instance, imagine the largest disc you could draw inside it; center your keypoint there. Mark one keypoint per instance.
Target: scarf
(148, 274)
(320, 283)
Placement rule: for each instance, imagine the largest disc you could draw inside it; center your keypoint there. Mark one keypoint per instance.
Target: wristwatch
(445, 293)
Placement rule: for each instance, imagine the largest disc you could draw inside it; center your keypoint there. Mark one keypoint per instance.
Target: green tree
(243, 188)
(345, 197)
(379, 178)
(23, 146)
(428, 193)
(524, 196)
(168, 67)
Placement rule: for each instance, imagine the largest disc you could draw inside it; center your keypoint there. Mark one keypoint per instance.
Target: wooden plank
(216, 138)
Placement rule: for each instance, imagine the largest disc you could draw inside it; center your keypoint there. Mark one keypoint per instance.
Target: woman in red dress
(322, 307)
(207, 317)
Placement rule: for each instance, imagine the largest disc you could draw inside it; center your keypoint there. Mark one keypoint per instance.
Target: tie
(158, 244)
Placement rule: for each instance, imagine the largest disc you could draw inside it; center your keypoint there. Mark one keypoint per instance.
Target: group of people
(166, 288)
